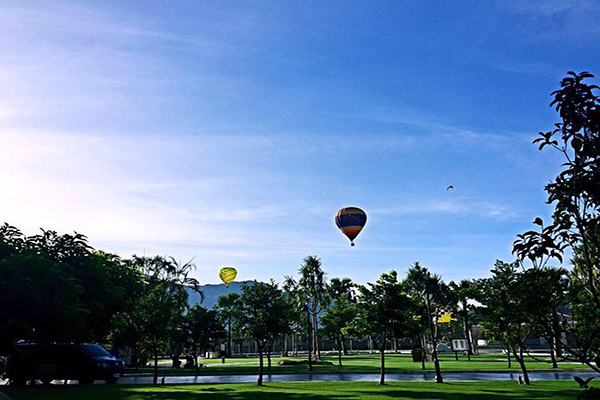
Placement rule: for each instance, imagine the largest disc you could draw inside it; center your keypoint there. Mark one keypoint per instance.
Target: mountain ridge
(212, 292)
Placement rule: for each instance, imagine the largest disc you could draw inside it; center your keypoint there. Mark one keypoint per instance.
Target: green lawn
(310, 391)
(366, 363)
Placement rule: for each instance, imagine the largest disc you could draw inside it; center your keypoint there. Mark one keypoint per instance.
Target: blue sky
(233, 131)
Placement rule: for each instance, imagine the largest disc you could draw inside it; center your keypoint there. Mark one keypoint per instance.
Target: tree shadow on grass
(272, 393)
(447, 391)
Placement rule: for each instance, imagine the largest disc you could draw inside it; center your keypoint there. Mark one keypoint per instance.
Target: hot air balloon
(350, 221)
(227, 275)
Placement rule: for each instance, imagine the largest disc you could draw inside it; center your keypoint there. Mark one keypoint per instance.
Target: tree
(547, 314)
(261, 315)
(435, 299)
(59, 287)
(312, 286)
(44, 299)
(128, 332)
(155, 319)
(295, 300)
(385, 311)
(202, 328)
(160, 315)
(338, 287)
(464, 291)
(337, 319)
(226, 305)
(584, 326)
(575, 194)
(505, 314)
(171, 274)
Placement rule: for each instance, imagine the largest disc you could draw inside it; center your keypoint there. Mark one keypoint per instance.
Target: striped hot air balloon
(227, 275)
(350, 221)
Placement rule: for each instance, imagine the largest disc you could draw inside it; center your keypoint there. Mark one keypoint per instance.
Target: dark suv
(85, 363)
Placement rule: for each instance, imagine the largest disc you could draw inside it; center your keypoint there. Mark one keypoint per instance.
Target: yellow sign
(447, 318)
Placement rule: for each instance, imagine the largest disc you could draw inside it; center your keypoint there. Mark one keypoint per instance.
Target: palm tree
(338, 287)
(463, 291)
(313, 289)
(170, 273)
(293, 296)
(227, 304)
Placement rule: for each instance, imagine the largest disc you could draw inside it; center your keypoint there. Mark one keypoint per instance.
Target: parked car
(85, 363)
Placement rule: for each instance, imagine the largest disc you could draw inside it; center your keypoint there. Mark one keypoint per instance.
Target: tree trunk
(423, 351)
(553, 351)
(155, 377)
(134, 358)
(395, 342)
(436, 361)
(340, 344)
(521, 361)
(229, 345)
(313, 321)
(382, 351)
(269, 345)
(294, 345)
(344, 347)
(285, 345)
(467, 330)
(556, 333)
(195, 350)
(260, 368)
(316, 348)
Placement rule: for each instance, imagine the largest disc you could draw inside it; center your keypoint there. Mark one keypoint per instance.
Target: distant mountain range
(213, 292)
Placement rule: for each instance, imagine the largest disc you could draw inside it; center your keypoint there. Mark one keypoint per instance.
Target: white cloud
(116, 189)
(460, 206)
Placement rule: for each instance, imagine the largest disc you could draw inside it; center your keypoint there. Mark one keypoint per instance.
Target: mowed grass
(365, 363)
(555, 390)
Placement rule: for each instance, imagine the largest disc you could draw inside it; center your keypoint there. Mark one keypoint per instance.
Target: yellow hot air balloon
(447, 318)
(227, 275)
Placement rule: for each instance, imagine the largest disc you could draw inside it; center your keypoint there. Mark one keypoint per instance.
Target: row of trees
(63, 290)
(385, 310)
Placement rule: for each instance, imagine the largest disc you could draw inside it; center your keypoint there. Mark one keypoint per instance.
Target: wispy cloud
(463, 207)
(575, 21)
(435, 129)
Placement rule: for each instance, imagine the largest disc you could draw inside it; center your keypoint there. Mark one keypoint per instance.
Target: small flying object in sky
(450, 187)
(350, 221)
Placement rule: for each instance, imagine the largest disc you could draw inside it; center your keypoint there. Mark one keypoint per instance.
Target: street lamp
(306, 310)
